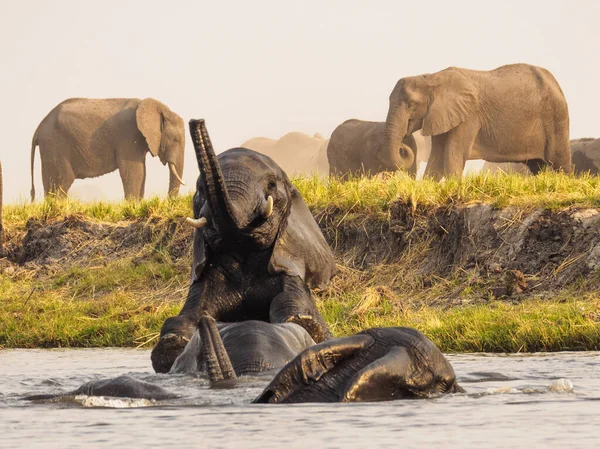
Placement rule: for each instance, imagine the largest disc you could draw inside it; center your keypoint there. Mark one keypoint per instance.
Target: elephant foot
(166, 351)
(312, 326)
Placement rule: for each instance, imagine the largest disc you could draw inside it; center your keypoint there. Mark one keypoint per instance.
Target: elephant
(295, 152)
(228, 350)
(356, 146)
(515, 113)
(84, 138)
(377, 364)
(586, 155)
(118, 387)
(1, 222)
(256, 249)
(506, 167)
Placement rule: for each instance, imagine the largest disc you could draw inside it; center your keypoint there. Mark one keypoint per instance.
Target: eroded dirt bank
(499, 253)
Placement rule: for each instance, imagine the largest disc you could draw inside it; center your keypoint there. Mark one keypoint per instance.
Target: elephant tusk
(172, 167)
(197, 223)
(268, 208)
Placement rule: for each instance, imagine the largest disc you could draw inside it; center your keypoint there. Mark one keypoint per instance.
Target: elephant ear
(301, 249)
(148, 116)
(454, 99)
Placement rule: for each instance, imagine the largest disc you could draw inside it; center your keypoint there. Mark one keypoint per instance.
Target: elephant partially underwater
(357, 147)
(257, 249)
(515, 113)
(228, 350)
(118, 387)
(375, 365)
(85, 138)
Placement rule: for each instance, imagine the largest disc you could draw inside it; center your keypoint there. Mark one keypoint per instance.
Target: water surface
(511, 401)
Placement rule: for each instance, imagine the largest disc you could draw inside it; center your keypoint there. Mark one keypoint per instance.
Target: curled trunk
(395, 154)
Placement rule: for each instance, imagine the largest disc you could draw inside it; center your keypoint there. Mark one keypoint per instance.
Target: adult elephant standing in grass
(356, 147)
(515, 113)
(84, 138)
(257, 249)
(586, 155)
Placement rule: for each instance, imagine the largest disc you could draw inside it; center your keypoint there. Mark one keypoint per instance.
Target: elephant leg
(459, 142)
(133, 176)
(57, 180)
(295, 305)
(384, 379)
(435, 163)
(536, 165)
(310, 365)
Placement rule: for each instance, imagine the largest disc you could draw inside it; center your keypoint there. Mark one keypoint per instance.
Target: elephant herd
(257, 250)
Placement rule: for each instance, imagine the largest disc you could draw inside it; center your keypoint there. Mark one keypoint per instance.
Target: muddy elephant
(515, 113)
(375, 365)
(296, 153)
(356, 148)
(257, 249)
(84, 138)
(117, 387)
(228, 350)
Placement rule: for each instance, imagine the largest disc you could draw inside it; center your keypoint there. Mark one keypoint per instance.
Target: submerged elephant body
(85, 138)
(515, 113)
(374, 365)
(257, 249)
(118, 387)
(249, 347)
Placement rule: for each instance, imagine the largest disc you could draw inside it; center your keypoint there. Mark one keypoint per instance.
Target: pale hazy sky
(263, 68)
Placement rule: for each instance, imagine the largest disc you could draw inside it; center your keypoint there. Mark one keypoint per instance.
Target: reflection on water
(540, 400)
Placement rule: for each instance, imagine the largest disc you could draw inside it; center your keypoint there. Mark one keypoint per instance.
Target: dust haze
(265, 68)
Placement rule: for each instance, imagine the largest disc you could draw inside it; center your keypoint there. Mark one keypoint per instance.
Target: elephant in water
(119, 387)
(228, 350)
(375, 365)
(356, 148)
(257, 249)
(84, 138)
(515, 113)
(296, 153)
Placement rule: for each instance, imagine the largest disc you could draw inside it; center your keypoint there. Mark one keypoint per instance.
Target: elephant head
(164, 133)
(434, 103)
(245, 203)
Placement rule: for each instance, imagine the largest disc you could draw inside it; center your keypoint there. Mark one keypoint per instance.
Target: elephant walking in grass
(85, 138)
(515, 113)
(356, 147)
(257, 249)
(378, 364)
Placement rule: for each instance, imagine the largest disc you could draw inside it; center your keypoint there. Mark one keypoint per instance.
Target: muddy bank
(510, 253)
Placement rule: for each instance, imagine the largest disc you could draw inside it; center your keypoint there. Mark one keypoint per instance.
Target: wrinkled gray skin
(229, 350)
(119, 387)
(515, 113)
(356, 148)
(585, 157)
(375, 365)
(85, 138)
(251, 261)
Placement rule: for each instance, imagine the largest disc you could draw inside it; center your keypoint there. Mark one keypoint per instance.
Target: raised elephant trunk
(215, 190)
(218, 363)
(394, 153)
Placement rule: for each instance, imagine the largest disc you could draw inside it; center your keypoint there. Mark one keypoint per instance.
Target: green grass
(124, 302)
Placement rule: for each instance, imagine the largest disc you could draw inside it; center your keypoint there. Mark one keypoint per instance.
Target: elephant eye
(272, 185)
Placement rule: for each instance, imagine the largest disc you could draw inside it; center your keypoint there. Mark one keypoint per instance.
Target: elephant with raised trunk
(375, 365)
(228, 350)
(356, 148)
(85, 138)
(256, 249)
(515, 113)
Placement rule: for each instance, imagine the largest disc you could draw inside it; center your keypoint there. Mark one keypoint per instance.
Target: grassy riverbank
(74, 286)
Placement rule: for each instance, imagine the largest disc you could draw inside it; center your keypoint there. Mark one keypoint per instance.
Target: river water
(512, 401)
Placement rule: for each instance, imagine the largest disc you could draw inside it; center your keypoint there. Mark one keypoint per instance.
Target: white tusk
(268, 209)
(197, 223)
(172, 167)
